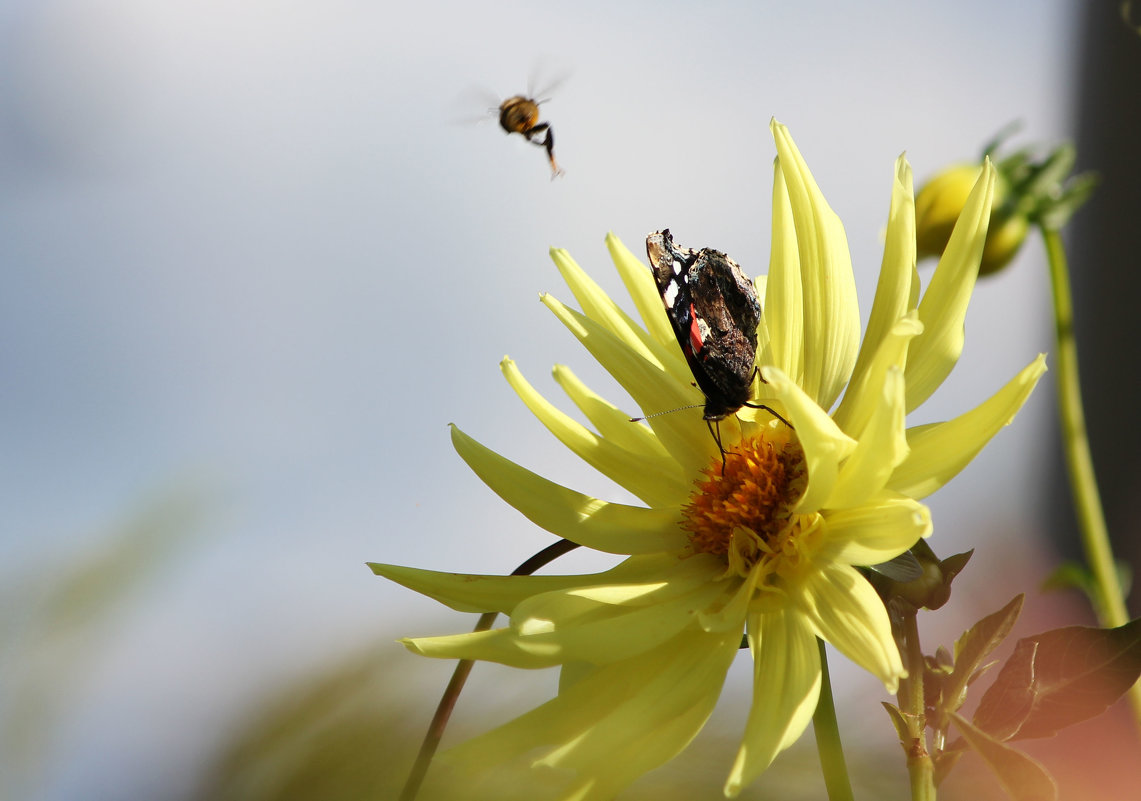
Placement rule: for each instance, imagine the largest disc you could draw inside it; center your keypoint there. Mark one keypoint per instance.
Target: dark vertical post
(1104, 245)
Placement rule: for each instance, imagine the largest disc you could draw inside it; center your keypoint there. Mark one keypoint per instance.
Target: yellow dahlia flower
(768, 545)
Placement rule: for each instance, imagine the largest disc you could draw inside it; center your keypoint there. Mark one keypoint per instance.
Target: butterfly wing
(714, 312)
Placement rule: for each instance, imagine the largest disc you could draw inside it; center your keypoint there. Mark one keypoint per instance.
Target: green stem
(452, 693)
(1108, 598)
(922, 775)
(912, 703)
(828, 744)
(440, 720)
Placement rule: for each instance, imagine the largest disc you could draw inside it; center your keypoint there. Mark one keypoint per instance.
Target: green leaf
(978, 641)
(897, 720)
(1007, 704)
(1056, 213)
(1023, 778)
(1050, 174)
(997, 141)
(1076, 576)
(1059, 678)
(1069, 576)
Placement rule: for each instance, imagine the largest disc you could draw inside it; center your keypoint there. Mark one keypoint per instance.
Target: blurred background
(257, 255)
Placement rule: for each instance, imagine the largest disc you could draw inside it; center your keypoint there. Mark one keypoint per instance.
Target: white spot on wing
(670, 294)
(677, 267)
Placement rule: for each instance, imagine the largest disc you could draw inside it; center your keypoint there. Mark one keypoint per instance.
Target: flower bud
(932, 588)
(1027, 191)
(937, 208)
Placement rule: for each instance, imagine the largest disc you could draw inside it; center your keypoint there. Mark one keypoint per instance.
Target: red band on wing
(694, 331)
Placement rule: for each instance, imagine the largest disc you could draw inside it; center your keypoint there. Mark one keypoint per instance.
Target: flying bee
(519, 114)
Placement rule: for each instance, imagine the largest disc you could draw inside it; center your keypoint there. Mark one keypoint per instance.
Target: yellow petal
(844, 610)
(865, 395)
(610, 527)
(652, 388)
(944, 306)
(618, 721)
(610, 421)
(760, 284)
(598, 306)
(898, 288)
(824, 444)
(573, 672)
(498, 645)
(762, 356)
(882, 446)
(473, 593)
(783, 318)
(728, 614)
(786, 685)
(574, 625)
(831, 309)
(875, 532)
(674, 684)
(639, 282)
(466, 592)
(940, 450)
(647, 582)
(657, 481)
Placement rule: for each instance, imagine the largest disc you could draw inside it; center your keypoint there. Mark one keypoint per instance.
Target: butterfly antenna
(667, 411)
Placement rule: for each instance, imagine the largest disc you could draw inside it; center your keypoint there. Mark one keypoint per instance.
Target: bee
(519, 114)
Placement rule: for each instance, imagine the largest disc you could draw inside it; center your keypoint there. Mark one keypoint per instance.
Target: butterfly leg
(771, 411)
(714, 427)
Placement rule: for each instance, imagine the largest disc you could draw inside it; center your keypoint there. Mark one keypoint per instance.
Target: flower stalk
(1109, 603)
(912, 705)
(460, 675)
(828, 744)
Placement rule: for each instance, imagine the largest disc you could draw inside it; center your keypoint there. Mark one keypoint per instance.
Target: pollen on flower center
(743, 513)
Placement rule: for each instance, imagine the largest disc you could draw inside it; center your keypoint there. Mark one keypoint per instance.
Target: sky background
(257, 255)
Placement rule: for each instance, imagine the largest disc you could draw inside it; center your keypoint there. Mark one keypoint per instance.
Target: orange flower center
(744, 512)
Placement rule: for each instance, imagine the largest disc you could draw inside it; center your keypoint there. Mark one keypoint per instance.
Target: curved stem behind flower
(1109, 601)
(459, 677)
(827, 731)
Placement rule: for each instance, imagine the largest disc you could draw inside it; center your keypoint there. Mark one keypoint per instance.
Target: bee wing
(543, 83)
(475, 104)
